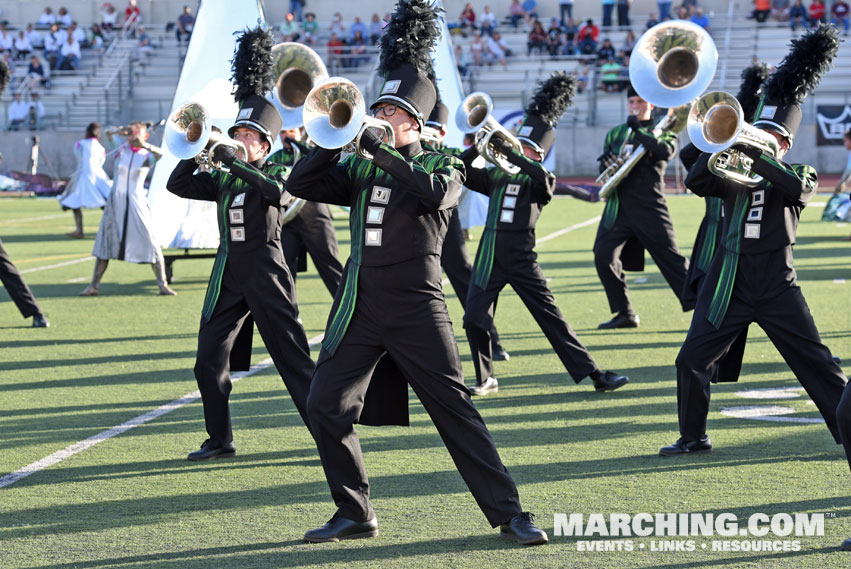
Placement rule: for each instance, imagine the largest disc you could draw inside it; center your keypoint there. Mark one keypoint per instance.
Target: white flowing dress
(89, 185)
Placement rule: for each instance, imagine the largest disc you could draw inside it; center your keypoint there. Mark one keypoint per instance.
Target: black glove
(370, 141)
(633, 122)
(751, 152)
(605, 159)
(225, 154)
(502, 146)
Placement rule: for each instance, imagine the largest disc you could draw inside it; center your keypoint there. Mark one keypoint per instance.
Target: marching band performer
(506, 252)
(250, 281)
(89, 185)
(636, 216)
(751, 278)
(391, 301)
(312, 230)
(454, 257)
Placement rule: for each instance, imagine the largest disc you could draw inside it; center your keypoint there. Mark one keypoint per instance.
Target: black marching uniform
(506, 256)
(752, 279)
(636, 218)
(310, 232)
(391, 302)
(249, 283)
(16, 287)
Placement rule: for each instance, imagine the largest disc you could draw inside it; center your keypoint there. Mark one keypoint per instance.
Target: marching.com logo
(766, 528)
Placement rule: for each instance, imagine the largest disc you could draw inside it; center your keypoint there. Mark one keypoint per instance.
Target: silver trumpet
(475, 114)
(335, 117)
(298, 69)
(716, 123)
(189, 133)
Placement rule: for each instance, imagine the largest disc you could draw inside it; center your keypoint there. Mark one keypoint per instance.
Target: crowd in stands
(799, 14)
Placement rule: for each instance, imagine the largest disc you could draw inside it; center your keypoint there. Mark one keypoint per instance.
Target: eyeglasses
(388, 110)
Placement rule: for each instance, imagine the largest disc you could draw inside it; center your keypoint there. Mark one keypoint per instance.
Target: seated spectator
(337, 26)
(478, 49)
(79, 35)
(309, 29)
(357, 26)
(47, 18)
(35, 37)
(51, 46)
(10, 63)
(357, 49)
(36, 111)
(63, 17)
(132, 18)
(467, 19)
(290, 29)
(817, 12)
(497, 50)
(108, 17)
(38, 75)
(515, 13)
(461, 60)
(606, 51)
(798, 16)
(690, 5)
(537, 39)
(144, 45)
(97, 40)
(7, 40)
(583, 74)
(780, 10)
(376, 26)
(19, 111)
(69, 55)
(610, 72)
(335, 52)
(22, 45)
(530, 9)
(185, 23)
(487, 28)
(700, 18)
(651, 21)
(628, 42)
(555, 43)
(682, 13)
(489, 18)
(570, 31)
(762, 8)
(587, 38)
(839, 14)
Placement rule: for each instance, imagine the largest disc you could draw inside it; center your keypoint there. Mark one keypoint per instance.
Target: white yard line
(561, 232)
(75, 448)
(57, 265)
(40, 218)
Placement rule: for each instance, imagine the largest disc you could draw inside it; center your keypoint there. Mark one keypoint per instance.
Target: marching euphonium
(335, 117)
(189, 133)
(298, 69)
(475, 114)
(716, 123)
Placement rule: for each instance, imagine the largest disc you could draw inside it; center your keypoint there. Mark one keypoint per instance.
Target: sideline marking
(40, 218)
(561, 232)
(57, 265)
(75, 448)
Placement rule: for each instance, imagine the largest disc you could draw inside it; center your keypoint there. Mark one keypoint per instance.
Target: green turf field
(134, 501)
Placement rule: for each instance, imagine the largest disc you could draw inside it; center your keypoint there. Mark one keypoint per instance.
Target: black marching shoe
(846, 545)
(499, 353)
(522, 529)
(609, 381)
(490, 385)
(687, 447)
(339, 528)
(39, 321)
(620, 321)
(210, 450)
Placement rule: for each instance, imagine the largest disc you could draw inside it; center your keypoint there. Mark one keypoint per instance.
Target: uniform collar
(411, 149)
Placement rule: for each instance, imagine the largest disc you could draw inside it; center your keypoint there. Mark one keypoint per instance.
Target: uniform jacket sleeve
(272, 186)
(798, 182)
(437, 189)
(661, 147)
(185, 184)
(703, 182)
(320, 178)
(689, 155)
(477, 179)
(544, 182)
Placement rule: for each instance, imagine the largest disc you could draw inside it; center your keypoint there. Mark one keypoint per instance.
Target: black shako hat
(543, 112)
(405, 59)
(796, 77)
(253, 74)
(750, 90)
(439, 116)
(631, 92)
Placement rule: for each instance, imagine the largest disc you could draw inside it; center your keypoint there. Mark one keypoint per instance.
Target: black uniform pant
(257, 283)
(16, 287)
(313, 230)
(657, 236)
(456, 263)
(765, 293)
(843, 418)
(400, 310)
(515, 263)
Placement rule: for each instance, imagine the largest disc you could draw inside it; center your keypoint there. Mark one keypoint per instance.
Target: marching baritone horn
(298, 69)
(335, 116)
(716, 123)
(475, 114)
(189, 133)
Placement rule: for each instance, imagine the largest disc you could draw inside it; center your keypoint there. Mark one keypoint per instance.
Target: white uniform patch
(239, 199)
(512, 189)
(374, 214)
(380, 195)
(507, 216)
(755, 214)
(758, 197)
(237, 234)
(509, 202)
(751, 231)
(236, 216)
(373, 237)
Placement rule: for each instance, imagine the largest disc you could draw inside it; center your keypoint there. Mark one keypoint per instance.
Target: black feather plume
(252, 64)
(800, 71)
(409, 36)
(4, 76)
(553, 97)
(750, 90)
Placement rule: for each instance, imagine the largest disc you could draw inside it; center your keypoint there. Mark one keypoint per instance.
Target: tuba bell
(189, 133)
(716, 123)
(298, 69)
(335, 117)
(475, 114)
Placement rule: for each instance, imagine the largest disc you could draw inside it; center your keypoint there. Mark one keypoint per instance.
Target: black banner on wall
(832, 121)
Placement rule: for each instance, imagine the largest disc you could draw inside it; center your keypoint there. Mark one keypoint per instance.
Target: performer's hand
(606, 158)
(502, 146)
(225, 154)
(370, 141)
(633, 122)
(751, 152)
